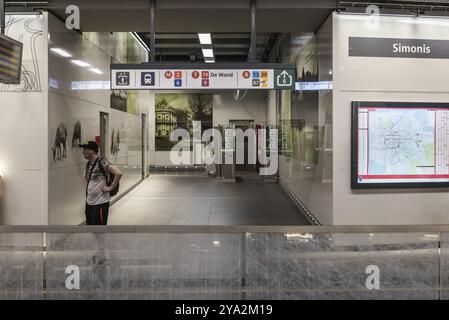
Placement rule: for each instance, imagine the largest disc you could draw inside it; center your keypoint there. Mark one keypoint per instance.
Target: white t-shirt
(95, 194)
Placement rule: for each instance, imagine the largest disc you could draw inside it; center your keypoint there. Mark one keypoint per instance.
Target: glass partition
(225, 264)
(21, 266)
(145, 266)
(342, 266)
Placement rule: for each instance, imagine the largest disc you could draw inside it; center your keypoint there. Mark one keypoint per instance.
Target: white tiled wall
(67, 106)
(384, 79)
(23, 123)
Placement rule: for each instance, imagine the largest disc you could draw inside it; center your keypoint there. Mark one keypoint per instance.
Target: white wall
(23, 127)
(67, 106)
(252, 107)
(384, 79)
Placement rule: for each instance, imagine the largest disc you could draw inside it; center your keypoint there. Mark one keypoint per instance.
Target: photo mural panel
(70, 124)
(28, 29)
(178, 110)
(125, 147)
(305, 107)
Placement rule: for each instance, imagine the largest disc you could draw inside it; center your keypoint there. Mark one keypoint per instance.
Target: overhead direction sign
(154, 76)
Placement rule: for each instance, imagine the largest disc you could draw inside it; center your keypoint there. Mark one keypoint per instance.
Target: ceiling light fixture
(140, 41)
(208, 53)
(205, 38)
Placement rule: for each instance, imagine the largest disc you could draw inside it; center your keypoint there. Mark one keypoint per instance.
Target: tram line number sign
(199, 76)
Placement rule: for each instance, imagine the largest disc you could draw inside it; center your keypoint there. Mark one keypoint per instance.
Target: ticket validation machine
(228, 159)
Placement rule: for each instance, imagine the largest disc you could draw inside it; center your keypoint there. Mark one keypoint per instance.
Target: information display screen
(400, 145)
(10, 60)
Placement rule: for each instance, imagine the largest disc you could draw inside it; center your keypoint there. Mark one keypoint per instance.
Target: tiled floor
(195, 199)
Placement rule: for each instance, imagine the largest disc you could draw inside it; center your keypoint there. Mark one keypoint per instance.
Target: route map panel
(400, 144)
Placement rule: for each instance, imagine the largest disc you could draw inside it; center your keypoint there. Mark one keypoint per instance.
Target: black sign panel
(122, 78)
(147, 78)
(10, 60)
(398, 48)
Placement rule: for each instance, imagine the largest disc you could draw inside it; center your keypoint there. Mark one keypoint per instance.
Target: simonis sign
(398, 48)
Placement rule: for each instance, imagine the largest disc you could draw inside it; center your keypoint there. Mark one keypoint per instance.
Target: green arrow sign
(284, 79)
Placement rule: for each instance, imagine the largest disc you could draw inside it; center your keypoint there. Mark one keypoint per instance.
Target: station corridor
(195, 199)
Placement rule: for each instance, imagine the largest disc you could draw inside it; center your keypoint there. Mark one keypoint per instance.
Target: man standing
(97, 190)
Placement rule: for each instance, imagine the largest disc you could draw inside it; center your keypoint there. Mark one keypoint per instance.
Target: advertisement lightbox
(400, 145)
(10, 60)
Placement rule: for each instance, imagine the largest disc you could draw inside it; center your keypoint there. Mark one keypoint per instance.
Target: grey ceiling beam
(178, 45)
(195, 46)
(195, 4)
(162, 36)
(189, 52)
(232, 35)
(252, 50)
(152, 30)
(275, 48)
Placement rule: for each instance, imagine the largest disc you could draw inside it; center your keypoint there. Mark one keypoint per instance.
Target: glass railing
(224, 262)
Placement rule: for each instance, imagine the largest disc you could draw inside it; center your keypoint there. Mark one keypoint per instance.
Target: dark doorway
(244, 125)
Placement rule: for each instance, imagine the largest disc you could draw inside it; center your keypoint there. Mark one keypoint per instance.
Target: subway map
(401, 141)
(402, 144)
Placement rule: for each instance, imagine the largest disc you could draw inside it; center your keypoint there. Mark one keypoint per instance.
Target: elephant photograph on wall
(76, 138)
(115, 141)
(59, 148)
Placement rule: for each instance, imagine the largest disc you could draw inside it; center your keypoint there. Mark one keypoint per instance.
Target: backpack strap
(102, 169)
(90, 174)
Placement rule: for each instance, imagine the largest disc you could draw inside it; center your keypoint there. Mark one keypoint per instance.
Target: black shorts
(97, 214)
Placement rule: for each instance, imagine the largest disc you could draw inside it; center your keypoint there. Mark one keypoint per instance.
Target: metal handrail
(225, 229)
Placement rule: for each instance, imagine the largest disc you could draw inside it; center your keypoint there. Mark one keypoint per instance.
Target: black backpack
(109, 178)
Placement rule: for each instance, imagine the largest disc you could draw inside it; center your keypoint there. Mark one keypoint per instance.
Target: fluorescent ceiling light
(81, 63)
(140, 41)
(61, 52)
(90, 85)
(205, 38)
(209, 60)
(95, 70)
(426, 22)
(208, 53)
